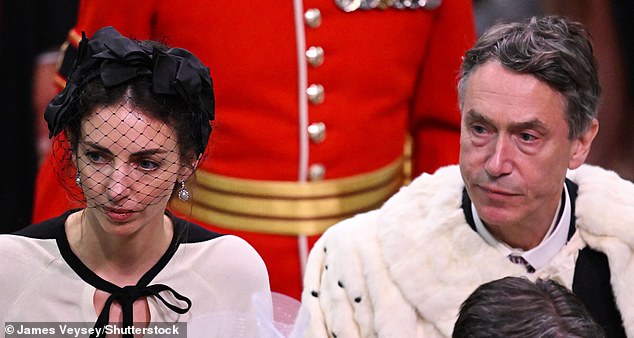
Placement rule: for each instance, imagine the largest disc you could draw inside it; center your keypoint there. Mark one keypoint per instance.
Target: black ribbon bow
(115, 59)
(126, 296)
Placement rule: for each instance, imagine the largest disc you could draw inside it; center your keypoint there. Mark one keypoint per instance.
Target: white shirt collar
(556, 237)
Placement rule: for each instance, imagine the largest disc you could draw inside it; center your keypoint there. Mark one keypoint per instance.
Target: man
(516, 307)
(529, 99)
(314, 102)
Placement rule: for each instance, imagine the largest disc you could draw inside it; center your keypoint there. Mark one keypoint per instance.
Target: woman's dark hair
(169, 84)
(138, 94)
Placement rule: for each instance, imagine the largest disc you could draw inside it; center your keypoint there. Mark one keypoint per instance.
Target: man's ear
(582, 144)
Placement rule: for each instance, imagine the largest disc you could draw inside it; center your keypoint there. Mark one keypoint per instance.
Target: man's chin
(496, 216)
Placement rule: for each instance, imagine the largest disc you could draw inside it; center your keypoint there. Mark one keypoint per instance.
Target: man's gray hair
(552, 48)
(517, 307)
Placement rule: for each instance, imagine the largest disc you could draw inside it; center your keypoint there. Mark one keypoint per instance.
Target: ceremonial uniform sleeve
(435, 120)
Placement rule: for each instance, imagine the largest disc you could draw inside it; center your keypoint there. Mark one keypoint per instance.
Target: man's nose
(499, 162)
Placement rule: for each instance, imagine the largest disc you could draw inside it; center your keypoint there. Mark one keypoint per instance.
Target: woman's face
(129, 165)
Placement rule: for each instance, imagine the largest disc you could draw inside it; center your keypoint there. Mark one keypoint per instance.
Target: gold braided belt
(287, 208)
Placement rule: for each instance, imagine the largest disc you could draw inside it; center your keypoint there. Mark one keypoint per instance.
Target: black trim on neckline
(46, 229)
(128, 294)
(91, 277)
(466, 209)
(573, 188)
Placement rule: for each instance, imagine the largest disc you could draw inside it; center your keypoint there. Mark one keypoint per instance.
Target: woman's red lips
(119, 215)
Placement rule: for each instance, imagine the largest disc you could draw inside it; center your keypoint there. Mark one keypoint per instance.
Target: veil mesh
(130, 123)
(124, 159)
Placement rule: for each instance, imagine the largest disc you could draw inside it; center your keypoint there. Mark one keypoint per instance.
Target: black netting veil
(122, 159)
(131, 122)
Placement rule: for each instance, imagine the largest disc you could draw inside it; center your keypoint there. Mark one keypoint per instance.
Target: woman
(134, 119)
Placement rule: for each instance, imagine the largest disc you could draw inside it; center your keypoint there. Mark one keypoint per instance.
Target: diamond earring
(78, 179)
(183, 194)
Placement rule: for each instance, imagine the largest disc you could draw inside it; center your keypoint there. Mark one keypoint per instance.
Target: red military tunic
(313, 108)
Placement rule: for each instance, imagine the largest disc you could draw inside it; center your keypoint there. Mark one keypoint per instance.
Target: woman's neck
(121, 260)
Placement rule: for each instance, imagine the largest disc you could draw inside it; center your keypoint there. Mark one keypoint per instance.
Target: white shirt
(555, 238)
(43, 281)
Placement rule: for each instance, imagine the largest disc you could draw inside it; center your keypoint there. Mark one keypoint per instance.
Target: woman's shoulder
(48, 229)
(225, 250)
(28, 252)
(229, 250)
(33, 241)
(189, 232)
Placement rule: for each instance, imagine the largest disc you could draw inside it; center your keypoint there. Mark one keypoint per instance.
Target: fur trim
(405, 269)
(433, 255)
(605, 219)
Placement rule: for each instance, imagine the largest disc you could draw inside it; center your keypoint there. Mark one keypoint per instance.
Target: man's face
(514, 148)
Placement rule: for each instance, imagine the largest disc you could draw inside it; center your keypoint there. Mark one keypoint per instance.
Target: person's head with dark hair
(517, 202)
(135, 119)
(131, 126)
(553, 49)
(518, 307)
(528, 95)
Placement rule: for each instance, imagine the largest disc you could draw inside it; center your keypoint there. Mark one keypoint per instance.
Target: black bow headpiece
(115, 59)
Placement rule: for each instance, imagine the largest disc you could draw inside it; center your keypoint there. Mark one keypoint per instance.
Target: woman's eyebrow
(144, 152)
(153, 151)
(97, 146)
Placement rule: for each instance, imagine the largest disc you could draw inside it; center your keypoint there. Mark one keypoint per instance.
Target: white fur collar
(436, 259)
(605, 219)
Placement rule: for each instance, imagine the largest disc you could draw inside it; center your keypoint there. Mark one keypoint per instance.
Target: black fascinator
(115, 60)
